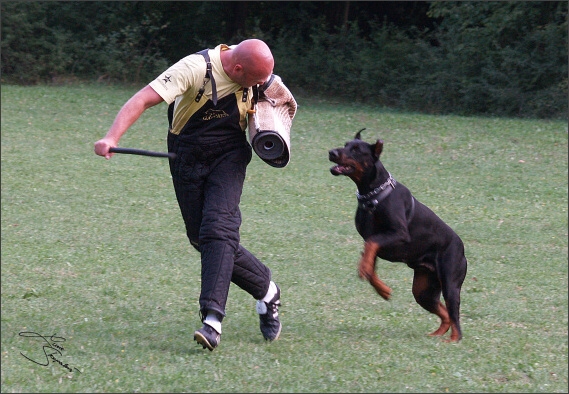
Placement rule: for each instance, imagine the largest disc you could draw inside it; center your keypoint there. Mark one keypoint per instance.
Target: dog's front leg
(366, 269)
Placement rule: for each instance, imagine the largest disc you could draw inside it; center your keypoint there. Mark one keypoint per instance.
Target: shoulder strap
(208, 76)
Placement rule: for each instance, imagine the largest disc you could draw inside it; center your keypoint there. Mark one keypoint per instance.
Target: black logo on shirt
(166, 79)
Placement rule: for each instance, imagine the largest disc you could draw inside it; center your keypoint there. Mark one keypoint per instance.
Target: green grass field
(94, 251)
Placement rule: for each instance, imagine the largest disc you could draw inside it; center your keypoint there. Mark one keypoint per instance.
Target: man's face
(249, 76)
(247, 80)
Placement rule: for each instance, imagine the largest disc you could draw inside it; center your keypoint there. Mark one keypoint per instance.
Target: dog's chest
(370, 222)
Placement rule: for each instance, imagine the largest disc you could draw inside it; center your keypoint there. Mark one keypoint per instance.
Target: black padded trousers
(208, 181)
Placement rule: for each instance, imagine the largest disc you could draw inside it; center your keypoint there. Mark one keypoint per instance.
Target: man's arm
(128, 114)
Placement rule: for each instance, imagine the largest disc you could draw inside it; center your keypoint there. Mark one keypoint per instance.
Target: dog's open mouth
(341, 170)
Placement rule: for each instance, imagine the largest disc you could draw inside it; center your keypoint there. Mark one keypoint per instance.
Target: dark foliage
(493, 58)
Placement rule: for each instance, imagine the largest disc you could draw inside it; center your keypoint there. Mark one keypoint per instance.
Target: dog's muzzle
(269, 133)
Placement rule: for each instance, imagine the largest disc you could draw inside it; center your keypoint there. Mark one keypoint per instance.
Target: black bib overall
(212, 154)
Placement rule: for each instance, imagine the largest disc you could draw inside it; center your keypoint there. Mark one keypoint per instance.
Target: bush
(492, 58)
(38, 47)
(31, 51)
(506, 59)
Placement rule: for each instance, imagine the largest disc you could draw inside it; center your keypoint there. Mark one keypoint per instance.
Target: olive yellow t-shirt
(181, 82)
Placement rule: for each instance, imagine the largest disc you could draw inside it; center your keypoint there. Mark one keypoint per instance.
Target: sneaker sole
(200, 339)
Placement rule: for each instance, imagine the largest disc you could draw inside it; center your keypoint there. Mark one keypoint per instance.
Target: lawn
(94, 252)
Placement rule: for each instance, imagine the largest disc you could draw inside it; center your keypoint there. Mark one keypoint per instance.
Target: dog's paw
(385, 293)
(381, 288)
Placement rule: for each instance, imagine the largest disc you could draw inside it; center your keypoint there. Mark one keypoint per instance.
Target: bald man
(208, 118)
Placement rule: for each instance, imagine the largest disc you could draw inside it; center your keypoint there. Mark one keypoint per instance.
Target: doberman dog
(396, 227)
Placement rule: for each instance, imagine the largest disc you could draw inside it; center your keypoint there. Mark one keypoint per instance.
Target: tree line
(491, 58)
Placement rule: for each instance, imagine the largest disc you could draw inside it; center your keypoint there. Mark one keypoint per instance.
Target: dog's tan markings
(442, 313)
(358, 173)
(421, 286)
(354, 168)
(445, 325)
(366, 269)
(455, 335)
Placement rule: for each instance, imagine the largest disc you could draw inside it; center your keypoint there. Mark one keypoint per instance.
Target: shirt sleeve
(183, 77)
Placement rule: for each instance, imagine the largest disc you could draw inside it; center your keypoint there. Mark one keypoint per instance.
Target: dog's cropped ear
(378, 148)
(359, 134)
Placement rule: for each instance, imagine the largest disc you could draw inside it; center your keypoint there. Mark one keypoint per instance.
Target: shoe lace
(263, 308)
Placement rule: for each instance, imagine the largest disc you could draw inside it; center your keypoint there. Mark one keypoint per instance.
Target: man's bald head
(252, 53)
(251, 63)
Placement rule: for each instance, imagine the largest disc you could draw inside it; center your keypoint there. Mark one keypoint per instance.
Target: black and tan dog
(397, 227)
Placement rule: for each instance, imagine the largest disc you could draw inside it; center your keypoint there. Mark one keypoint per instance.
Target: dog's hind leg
(427, 293)
(452, 274)
(366, 270)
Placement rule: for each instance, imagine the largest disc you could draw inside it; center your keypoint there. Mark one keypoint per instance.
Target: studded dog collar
(370, 200)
